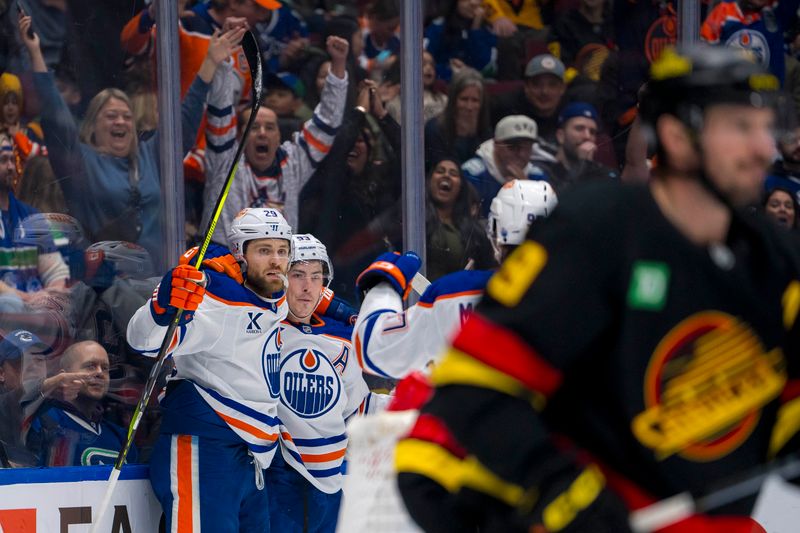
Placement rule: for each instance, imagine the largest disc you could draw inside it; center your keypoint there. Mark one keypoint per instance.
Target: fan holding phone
(23, 13)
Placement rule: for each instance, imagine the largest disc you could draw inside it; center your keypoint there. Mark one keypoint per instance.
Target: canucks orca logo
(311, 386)
(270, 361)
(98, 456)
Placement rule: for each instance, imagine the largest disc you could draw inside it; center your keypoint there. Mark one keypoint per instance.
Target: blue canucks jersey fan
(24, 267)
(70, 431)
(283, 37)
(503, 158)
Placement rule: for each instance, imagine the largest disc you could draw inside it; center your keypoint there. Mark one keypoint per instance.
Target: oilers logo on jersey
(270, 361)
(753, 42)
(311, 385)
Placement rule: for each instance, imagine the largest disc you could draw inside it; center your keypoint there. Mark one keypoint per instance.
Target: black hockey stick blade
(253, 56)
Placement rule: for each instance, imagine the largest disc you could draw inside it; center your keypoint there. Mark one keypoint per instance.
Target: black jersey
(665, 360)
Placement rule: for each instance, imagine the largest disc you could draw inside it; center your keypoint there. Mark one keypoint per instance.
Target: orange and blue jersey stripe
(322, 457)
(185, 483)
(258, 430)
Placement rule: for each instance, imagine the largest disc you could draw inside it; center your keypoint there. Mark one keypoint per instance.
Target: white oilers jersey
(321, 386)
(230, 351)
(390, 342)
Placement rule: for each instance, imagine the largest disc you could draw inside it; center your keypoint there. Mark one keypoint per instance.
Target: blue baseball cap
(577, 109)
(19, 341)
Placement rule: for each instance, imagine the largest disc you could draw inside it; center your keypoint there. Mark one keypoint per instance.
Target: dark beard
(790, 161)
(573, 160)
(264, 288)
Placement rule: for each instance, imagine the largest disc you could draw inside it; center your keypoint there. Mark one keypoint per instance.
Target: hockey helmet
(54, 232)
(50, 232)
(306, 247)
(516, 206)
(126, 258)
(257, 223)
(686, 80)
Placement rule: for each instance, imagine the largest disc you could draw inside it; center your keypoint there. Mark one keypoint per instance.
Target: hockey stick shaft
(681, 506)
(253, 55)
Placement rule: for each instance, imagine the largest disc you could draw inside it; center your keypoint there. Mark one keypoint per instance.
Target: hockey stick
(253, 56)
(681, 506)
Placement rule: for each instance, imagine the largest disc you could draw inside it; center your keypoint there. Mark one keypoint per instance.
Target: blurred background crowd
(513, 89)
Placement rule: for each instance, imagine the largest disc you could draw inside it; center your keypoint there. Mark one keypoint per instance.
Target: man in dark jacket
(539, 98)
(577, 143)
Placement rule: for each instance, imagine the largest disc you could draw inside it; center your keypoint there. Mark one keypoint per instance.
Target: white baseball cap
(515, 127)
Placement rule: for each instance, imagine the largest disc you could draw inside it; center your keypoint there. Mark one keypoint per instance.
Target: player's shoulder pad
(224, 288)
(474, 166)
(334, 328)
(454, 283)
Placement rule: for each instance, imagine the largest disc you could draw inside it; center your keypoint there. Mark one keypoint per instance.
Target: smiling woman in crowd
(781, 206)
(110, 180)
(455, 238)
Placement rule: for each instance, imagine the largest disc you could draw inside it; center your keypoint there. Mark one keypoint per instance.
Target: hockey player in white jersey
(321, 386)
(219, 429)
(390, 342)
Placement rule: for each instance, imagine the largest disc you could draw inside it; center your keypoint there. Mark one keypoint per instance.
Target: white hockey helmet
(127, 258)
(308, 248)
(257, 223)
(516, 206)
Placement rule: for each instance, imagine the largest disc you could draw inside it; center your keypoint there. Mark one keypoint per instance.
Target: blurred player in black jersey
(642, 342)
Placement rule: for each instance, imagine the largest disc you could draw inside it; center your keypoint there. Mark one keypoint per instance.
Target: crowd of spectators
(513, 89)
